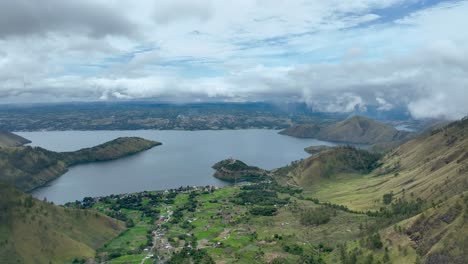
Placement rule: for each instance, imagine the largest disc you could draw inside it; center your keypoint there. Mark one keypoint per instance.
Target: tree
(387, 198)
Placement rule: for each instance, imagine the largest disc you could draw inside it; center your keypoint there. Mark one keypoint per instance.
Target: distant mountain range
(357, 130)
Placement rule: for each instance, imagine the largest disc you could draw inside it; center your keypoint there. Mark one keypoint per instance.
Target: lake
(185, 158)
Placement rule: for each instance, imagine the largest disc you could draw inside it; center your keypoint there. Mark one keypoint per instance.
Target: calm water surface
(185, 158)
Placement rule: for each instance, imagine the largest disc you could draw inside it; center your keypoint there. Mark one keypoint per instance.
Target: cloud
(23, 17)
(334, 55)
(168, 11)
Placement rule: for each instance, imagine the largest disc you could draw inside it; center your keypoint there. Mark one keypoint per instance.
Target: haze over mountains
(357, 129)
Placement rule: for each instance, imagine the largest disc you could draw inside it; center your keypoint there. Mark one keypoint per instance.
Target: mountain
(302, 131)
(420, 188)
(30, 167)
(357, 130)
(330, 162)
(8, 139)
(236, 170)
(431, 167)
(33, 231)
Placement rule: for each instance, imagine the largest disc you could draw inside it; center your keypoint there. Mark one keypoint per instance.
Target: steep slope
(437, 235)
(302, 131)
(328, 163)
(8, 139)
(33, 231)
(361, 130)
(431, 167)
(30, 167)
(358, 130)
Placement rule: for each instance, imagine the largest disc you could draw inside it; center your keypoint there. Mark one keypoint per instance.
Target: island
(234, 170)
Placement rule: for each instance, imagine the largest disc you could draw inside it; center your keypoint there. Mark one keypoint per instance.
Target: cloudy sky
(334, 55)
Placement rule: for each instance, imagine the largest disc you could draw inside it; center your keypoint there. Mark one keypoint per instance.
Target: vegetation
(33, 231)
(358, 130)
(8, 139)
(236, 170)
(315, 216)
(342, 205)
(30, 167)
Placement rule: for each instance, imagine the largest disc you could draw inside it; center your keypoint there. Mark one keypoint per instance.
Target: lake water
(185, 158)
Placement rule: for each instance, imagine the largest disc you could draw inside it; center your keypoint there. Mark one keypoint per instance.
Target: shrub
(315, 216)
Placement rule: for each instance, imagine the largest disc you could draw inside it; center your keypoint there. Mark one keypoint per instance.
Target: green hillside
(302, 131)
(358, 130)
(431, 167)
(33, 231)
(8, 139)
(30, 167)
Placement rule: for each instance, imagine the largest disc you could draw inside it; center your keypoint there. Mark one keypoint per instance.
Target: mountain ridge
(8, 139)
(356, 130)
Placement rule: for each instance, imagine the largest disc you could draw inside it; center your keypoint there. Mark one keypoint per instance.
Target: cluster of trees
(315, 216)
(349, 158)
(263, 210)
(259, 197)
(191, 255)
(399, 209)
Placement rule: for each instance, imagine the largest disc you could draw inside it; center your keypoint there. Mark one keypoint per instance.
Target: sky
(334, 55)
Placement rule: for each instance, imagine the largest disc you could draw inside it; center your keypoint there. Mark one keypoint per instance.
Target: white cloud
(313, 51)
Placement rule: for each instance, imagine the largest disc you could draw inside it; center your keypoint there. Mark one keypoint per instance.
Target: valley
(339, 205)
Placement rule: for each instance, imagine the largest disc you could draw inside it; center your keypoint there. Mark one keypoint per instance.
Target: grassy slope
(357, 129)
(302, 131)
(431, 167)
(437, 235)
(28, 168)
(361, 130)
(8, 139)
(32, 231)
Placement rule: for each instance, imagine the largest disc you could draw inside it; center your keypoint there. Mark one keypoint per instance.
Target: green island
(235, 170)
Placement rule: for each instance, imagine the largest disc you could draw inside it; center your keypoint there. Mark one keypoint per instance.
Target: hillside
(8, 139)
(302, 131)
(357, 130)
(236, 170)
(328, 163)
(32, 231)
(316, 149)
(30, 167)
(431, 167)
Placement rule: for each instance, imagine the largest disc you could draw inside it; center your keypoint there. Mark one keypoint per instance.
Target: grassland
(33, 231)
(359, 130)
